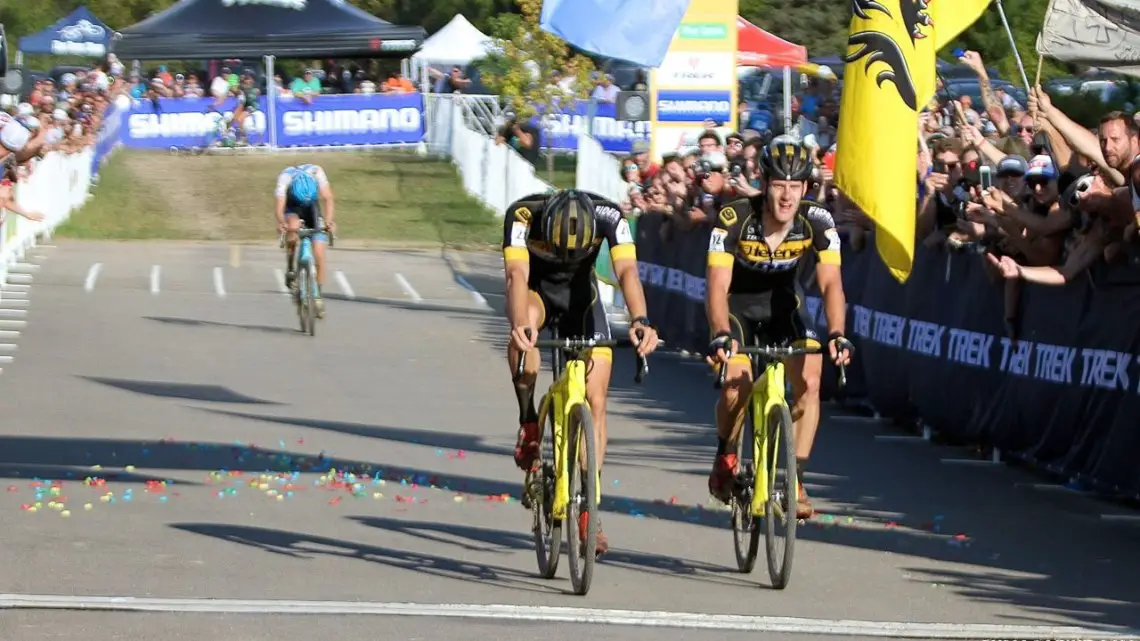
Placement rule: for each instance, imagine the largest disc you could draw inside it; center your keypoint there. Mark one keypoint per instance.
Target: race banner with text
(109, 136)
(697, 79)
(561, 130)
(1063, 396)
(330, 120)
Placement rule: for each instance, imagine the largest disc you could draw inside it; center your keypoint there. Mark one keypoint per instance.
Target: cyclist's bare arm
(630, 282)
(718, 277)
(328, 204)
(516, 264)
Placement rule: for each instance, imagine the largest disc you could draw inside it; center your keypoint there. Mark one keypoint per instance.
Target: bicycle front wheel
(745, 526)
(780, 521)
(583, 509)
(540, 487)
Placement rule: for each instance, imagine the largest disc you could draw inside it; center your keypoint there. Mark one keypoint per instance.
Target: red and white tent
(758, 48)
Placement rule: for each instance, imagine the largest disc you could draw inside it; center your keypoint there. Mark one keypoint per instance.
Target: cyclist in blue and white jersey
(304, 195)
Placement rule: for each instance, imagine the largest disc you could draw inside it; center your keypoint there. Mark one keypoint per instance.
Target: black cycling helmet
(570, 224)
(786, 159)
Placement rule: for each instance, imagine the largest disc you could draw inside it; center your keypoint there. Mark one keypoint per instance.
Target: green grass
(564, 175)
(386, 197)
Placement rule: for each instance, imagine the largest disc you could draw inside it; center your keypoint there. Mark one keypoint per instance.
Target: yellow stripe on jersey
(624, 251)
(516, 253)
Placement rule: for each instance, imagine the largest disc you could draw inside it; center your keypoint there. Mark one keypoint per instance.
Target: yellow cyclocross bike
(766, 486)
(564, 487)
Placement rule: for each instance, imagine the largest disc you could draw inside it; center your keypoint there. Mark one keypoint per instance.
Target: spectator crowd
(63, 117)
(1037, 196)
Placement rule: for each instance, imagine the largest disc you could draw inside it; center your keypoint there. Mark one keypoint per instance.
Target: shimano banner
(109, 136)
(351, 120)
(329, 120)
(561, 130)
(936, 350)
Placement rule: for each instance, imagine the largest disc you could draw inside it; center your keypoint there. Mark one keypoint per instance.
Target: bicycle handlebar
(305, 231)
(777, 352)
(574, 345)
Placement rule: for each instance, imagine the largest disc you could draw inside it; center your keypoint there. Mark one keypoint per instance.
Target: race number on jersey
(622, 233)
(716, 240)
(519, 234)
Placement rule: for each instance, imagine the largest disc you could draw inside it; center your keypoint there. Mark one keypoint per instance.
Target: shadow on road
(307, 546)
(488, 540)
(192, 322)
(186, 391)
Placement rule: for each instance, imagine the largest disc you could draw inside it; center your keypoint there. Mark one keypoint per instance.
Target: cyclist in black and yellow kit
(754, 254)
(550, 243)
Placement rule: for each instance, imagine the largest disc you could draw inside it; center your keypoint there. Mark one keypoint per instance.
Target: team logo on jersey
(607, 213)
(728, 216)
(523, 215)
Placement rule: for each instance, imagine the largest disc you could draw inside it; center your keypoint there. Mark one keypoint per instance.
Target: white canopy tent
(458, 43)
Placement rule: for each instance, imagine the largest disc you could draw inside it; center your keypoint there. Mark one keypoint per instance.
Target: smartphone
(987, 180)
(939, 167)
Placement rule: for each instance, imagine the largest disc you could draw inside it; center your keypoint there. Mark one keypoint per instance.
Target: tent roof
(758, 48)
(80, 33)
(251, 28)
(457, 43)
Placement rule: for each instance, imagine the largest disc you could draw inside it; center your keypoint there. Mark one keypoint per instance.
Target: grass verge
(380, 196)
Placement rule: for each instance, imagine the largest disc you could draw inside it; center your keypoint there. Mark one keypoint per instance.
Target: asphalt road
(166, 434)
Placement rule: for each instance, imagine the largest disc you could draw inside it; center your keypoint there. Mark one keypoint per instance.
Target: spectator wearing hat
(648, 169)
(1011, 172)
(306, 87)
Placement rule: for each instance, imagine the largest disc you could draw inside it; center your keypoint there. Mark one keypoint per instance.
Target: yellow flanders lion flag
(890, 75)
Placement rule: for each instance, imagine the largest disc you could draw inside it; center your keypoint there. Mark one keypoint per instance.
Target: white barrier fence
(58, 185)
(495, 175)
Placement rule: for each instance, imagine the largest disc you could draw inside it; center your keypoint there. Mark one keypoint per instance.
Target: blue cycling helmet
(304, 189)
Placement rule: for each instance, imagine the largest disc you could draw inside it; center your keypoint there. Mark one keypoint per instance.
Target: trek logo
(180, 125)
(351, 121)
(694, 106)
(297, 5)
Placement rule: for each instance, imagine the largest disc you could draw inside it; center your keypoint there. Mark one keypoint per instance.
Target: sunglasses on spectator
(1037, 181)
(631, 167)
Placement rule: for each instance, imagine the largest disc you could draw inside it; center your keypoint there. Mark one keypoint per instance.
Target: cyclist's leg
(804, 373)
(527, 445)
(734, 397)
(292, 224)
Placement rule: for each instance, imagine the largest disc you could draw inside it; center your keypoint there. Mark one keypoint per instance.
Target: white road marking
(13, 295)
(21, 279)
(342, 281)
(13, 324)
(92, 276)
(1121, 518)
(12, 313)
(12, 287)
(9, 333)
(279, 278)
(8, 348)
(155, 278)
(479, 300)
(219, 284)
(5, 359)
(10, 303)
(408, 289)
(786, 625)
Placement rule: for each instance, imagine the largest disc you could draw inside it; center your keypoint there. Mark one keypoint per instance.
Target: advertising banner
(561, 131)
(109, 136)
(329, 120)
(697, 80)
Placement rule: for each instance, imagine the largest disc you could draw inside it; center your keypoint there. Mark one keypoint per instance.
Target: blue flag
(639, 31)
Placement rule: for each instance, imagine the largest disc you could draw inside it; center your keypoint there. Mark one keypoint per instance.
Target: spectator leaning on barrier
(522, 136)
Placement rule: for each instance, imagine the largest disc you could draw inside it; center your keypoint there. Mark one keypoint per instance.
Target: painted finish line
(788, 625)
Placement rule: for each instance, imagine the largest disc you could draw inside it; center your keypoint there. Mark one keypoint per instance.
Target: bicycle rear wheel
(540, 486)
(583, 498)
(745, 527)
(305, 300)
(780, 522)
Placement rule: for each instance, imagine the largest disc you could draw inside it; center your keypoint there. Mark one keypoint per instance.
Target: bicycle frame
(568, 390)
(303, 255)
(769, 391)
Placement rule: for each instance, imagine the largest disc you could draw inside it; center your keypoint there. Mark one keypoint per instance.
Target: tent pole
(19, 58)
(787, 100)
(271, 100)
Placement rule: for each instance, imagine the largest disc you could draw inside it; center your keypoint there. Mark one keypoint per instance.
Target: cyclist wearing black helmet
(755, 250)
(550, 243)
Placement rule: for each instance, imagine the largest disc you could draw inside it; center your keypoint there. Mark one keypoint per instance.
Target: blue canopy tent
(79, 34)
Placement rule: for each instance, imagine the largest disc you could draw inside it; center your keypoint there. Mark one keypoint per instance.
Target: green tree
(520, 71)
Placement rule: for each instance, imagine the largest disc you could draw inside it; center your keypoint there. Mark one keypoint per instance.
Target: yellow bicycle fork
(567, 392)
(768, 394)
